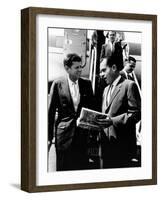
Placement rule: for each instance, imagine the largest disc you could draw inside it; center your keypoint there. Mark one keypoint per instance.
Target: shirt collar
(71, 82)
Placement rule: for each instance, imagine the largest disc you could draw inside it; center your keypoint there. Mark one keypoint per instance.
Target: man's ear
(114, 68)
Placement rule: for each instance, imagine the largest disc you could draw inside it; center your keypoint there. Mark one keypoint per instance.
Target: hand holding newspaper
(88, 119)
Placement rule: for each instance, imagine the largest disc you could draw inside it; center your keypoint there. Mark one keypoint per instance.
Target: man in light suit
(112, 46)
(67, 96)
(121, 102)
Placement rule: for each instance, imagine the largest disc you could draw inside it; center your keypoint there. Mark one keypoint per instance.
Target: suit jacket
(106, 51)
(124, 109)
(122, 73)
(61, 102)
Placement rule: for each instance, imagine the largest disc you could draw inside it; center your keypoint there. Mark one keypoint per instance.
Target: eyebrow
(79, 66)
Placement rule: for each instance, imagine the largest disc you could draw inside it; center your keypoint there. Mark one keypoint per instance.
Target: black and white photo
(88, 99)
(78, 78)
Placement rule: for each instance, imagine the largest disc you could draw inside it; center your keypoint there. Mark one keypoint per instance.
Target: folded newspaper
(87, 119)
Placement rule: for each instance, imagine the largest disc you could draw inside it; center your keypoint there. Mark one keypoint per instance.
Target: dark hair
(107, 35)
(115, 60)
(131, 58)
(70, 58)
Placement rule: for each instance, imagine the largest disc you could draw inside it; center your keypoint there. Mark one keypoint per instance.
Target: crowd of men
(118, 97)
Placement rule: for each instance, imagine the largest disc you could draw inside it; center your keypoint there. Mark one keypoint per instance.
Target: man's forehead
(112, 33)
(76, 63)
(103, 64)
(132, 62)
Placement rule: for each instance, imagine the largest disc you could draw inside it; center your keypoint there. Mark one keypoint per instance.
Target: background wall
(10, 98)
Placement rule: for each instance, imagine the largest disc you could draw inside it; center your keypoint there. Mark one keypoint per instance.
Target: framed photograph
(88, 99)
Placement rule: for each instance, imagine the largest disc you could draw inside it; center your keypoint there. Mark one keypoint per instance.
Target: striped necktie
(109, 94)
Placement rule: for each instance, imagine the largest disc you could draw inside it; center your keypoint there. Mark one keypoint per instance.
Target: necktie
(109, 94)
(75, 96)
(130, 77)
(106, 98)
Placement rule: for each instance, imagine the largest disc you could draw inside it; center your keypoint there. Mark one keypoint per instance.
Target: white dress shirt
(74, 91)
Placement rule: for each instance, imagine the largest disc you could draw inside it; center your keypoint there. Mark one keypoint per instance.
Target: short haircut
(107, 35)
(130, 58)
(115, 60)
(70, 58)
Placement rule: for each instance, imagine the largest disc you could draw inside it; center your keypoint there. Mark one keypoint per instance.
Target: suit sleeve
(91, 100)
(133, 112)
(53, 98)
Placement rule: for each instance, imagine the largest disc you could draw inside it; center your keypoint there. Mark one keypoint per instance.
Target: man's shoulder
(58, 82)
(84, 80)
(127, 83)
(122, 72)
(118, 43)
(84, 83)
(60, 79)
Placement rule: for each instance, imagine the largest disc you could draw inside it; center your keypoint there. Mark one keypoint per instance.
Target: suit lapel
(115, 93)
(104, 102)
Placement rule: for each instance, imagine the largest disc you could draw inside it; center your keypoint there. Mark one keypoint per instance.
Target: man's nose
(80, 69)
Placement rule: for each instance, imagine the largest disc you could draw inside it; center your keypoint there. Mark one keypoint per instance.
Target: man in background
(111, 46)
(127, 72)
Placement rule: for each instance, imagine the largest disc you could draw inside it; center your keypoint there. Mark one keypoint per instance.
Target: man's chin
(107, 82)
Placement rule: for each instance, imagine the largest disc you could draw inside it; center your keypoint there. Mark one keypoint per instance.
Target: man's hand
(104, 123)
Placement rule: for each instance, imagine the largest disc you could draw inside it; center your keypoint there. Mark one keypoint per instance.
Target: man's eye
(103, 70)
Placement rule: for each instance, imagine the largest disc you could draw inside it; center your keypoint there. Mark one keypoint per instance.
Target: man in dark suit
(121, 102)
(67, 96)
(112, 46)
(127, 72)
